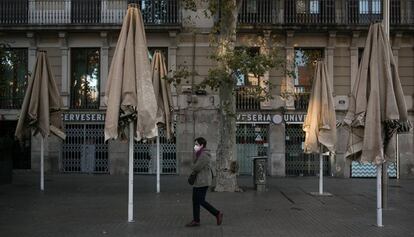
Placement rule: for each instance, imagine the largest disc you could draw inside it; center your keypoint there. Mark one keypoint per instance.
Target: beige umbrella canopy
(164, 100)
(129, 93)
(162, 91)
(320, 122)
(41, 109)
(377, 109)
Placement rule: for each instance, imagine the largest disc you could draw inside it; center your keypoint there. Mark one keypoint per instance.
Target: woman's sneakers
(219, 218)
(193, 224)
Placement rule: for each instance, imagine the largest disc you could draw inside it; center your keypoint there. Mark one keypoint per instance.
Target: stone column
(406, 154)
(65, 57)
(104, 68)
(354, 58)
(330, 57)
(396, 45)
(31, 60)
(277, 159)
(289, 87)
(172, 57)
(264, 50)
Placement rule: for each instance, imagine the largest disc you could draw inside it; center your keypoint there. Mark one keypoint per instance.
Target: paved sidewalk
(96, 205)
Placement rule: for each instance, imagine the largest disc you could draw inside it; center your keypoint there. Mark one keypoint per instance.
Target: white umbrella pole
(158, 162)
(320, 171)
(131, 173)
(379, 196)
(42, 158)
(386, 17)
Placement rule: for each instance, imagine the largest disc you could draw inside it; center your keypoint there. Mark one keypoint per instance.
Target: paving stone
(96, 205)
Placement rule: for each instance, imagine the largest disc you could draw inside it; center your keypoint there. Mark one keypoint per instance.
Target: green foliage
(8, 57)
(181, 74)
(189, 5)
(232, 62)
(5, 58)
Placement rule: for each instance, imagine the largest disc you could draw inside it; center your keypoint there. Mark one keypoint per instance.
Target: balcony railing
(302, 96)
(309, 11)
(38, 12)
(167, 12)
(10, 99)
(13, 11)
(257, 11)
(323, 12)
(245, 100)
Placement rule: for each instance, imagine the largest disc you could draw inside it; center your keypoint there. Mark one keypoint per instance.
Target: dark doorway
(20, 152)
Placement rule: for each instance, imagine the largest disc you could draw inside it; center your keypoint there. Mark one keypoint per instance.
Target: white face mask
(197, 148)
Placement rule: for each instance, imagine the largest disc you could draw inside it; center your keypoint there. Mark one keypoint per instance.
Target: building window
(314, 7)
(248, 79)
(85, 75)
(13, 77)
(252, 6)
(156, 12)
(300, 7)
(309, 6)
(247, 85)
(370, 7)
(305, 62)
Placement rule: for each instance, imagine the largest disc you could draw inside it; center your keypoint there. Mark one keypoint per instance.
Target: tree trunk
(226, 150)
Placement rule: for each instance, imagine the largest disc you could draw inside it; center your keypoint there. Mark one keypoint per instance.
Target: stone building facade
(80, 39)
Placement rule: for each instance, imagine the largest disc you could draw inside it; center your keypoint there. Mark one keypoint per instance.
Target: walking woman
(202, 166)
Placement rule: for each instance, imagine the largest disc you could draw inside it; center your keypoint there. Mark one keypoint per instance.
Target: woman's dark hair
(201, 141)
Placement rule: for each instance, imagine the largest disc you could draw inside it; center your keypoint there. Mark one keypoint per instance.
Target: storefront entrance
(84, 149)
(297, 162)
(145, 156)
(251, 140)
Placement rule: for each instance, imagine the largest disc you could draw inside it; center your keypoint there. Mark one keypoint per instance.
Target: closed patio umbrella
(162, 91)
(377, 109)
(41, 109)
(129, 93)
(320, 122)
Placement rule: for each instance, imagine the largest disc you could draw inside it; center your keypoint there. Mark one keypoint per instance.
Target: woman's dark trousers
(199, 198)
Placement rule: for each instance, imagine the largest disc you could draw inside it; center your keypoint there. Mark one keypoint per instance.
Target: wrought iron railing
(326, 12)
(167, 12)
(360, 12)
(257, 12)
(154, 12)
(363, 12)
(246, 100)
(11, 98)
(301, 98)
(13, 11)
(309, 12)
(401, 12)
